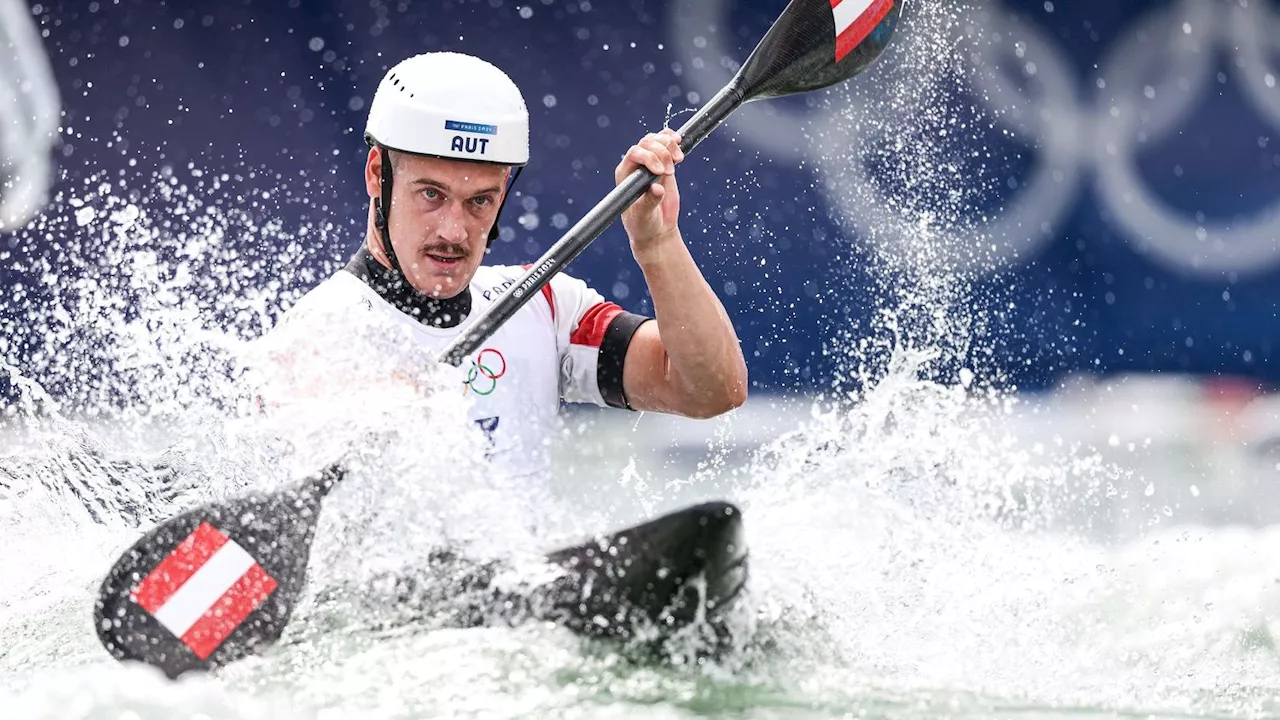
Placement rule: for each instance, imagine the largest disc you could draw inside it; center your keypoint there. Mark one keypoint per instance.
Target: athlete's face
(441, 212)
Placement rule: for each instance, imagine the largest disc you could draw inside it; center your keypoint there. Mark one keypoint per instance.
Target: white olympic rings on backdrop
(1150, 80)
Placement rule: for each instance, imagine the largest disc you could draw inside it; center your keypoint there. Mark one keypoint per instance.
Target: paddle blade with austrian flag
(214, 584)
(816, 44)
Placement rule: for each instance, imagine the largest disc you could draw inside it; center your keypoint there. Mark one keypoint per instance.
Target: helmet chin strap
(382, 206)
(493, 231)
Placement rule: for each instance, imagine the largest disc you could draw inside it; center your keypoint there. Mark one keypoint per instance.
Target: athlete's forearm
(706, 358)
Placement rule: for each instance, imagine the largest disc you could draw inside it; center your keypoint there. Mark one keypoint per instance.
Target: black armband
(613, 355)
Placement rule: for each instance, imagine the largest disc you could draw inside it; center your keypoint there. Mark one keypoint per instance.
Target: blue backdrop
(1142, 160)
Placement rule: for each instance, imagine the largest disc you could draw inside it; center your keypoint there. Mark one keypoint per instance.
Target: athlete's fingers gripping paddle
(213, 584)
(814, 44)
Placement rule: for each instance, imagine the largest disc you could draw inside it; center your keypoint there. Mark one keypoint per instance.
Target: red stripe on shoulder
(546, 293)
(594, 322)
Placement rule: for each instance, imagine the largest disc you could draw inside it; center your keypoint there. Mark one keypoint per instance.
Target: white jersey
(567, 344)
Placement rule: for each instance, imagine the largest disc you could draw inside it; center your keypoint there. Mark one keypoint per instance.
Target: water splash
(910, 559)
(905, 536)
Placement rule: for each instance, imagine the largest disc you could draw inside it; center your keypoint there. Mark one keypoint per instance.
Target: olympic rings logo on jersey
(1151, 79)
(486, 368)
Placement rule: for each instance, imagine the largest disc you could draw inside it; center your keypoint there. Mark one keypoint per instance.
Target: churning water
(911, 558)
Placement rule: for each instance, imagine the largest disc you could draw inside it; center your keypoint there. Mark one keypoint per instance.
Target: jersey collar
(392, 287)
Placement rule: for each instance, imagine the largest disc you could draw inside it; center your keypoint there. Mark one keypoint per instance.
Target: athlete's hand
(653, 218)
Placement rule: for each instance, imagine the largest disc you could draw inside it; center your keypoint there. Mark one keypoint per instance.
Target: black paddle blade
(213, 584)
(664, 575)
(817, 43)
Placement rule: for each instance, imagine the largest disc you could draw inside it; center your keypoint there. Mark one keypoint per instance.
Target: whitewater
(913, 555)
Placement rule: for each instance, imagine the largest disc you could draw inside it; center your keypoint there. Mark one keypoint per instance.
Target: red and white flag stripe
(204, 589)
(855, 19)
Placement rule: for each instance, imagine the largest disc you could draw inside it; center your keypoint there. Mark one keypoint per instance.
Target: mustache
(446, 249)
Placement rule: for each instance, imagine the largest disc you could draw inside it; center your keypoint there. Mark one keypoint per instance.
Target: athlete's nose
(453, 226)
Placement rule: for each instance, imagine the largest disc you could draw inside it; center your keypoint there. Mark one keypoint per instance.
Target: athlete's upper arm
(647, 373)
(649, 380)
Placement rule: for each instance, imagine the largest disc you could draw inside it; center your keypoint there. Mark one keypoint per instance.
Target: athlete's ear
(373, 172)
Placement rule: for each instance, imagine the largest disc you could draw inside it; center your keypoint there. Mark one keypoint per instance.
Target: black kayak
(221, 581)
(666, 574)
(643, 585)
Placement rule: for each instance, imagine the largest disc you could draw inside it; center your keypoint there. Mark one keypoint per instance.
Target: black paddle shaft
(800, 53)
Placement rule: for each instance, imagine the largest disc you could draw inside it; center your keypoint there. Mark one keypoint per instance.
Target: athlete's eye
(430, 193)
(482, 201)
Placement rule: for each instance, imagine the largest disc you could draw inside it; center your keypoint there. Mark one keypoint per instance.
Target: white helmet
(453, 106)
